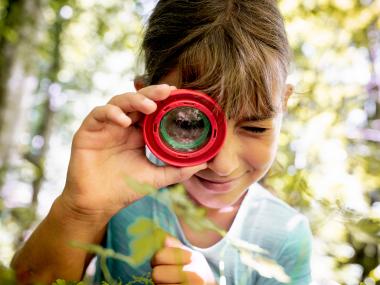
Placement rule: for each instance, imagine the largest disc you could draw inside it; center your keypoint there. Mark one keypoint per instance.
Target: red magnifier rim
(185, 98)
(200, 107)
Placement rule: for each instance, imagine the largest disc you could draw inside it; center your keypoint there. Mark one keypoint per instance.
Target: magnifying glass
(188, 128)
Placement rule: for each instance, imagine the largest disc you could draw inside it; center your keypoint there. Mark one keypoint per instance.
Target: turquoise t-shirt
(262, 219)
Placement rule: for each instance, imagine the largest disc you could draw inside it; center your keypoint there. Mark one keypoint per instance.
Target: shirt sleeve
(294, 255)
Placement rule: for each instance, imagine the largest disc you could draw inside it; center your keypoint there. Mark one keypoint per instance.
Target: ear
(287, 92)
(139, 82)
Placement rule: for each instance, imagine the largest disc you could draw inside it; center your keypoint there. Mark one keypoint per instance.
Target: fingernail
(126, 120)
(149, 102)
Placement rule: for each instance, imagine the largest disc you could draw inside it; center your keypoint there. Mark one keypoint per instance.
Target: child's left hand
(177, 264)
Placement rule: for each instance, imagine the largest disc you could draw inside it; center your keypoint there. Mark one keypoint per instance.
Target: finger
(157, 92)
(130, 102)
(171, 256)
(143, 100)
(106, 114)
(167, 175)
(168, 274)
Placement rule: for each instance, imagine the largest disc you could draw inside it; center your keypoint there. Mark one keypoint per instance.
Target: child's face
(245, 158)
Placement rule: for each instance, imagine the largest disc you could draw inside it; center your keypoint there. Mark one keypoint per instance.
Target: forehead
(241, 113)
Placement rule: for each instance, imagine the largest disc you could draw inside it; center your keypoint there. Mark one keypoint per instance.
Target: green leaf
(147, 238)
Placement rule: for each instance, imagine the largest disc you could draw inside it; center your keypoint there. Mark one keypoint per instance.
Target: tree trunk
(17, 56)
(44, 128)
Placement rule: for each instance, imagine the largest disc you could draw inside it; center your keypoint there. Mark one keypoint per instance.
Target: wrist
(67, 216)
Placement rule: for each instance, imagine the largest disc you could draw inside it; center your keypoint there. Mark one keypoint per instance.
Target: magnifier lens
(185, 129)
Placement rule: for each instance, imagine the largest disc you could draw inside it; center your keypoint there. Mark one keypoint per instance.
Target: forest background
(60, 58)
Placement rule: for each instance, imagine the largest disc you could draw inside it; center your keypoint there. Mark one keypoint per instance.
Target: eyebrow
(255, 118)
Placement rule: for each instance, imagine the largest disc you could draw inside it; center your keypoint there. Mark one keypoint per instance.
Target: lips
(217, 186)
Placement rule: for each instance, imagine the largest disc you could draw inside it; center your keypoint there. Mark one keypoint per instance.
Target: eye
(255, 129)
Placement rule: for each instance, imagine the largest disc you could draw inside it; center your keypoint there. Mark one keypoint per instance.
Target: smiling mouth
(216, 182)
(217, 186)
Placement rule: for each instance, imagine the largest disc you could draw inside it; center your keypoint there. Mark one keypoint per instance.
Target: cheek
(259, 153)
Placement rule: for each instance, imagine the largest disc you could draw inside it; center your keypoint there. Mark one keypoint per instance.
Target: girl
(236, 52)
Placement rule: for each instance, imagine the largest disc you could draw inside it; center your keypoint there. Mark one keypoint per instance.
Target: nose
(226, 161)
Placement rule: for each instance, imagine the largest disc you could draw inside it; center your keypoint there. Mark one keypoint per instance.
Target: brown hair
(234, 50)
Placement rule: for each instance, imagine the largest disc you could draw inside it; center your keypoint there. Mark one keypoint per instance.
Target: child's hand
(178, 264)
(109, 146)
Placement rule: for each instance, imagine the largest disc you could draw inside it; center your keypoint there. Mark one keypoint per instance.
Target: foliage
(328, 160)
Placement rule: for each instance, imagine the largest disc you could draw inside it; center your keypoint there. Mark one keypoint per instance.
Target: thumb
(167, 175)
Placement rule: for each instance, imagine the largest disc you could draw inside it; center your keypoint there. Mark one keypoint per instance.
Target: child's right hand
(109, 146)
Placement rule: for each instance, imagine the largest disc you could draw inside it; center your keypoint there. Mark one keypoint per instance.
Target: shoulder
(283, 231)
(271, 223)
(266, 211)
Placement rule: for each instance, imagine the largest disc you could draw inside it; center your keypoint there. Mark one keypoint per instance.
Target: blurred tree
(62, 63)
(18, 39)
(43, 126)
(330, 145)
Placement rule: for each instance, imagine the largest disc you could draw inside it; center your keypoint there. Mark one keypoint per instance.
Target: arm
(48, 255)
(108, 146)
